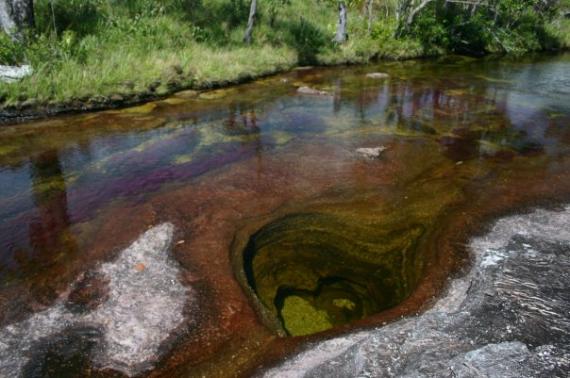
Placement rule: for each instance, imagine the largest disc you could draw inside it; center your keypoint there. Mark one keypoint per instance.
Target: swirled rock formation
(508, 317)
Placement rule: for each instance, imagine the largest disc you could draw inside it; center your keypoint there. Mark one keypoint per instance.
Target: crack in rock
(508, 317)
(142, 309)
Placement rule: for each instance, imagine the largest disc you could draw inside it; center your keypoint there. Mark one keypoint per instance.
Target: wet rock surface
(508, 317)
(124, 332)
(89, 292)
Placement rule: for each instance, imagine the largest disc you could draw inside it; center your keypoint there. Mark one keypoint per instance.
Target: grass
(87, 48)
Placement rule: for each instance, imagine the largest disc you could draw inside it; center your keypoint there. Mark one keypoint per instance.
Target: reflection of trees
(49, 233)
(468, 120)
(242, 121)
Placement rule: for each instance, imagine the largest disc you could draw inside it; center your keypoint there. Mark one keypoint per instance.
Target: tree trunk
(415, 12)
(341, 34)
(250, 22)
(16, 16)
(369, 4)
(407, 14)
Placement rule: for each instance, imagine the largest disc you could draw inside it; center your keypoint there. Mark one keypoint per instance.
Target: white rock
(371, 153)
(10, 74)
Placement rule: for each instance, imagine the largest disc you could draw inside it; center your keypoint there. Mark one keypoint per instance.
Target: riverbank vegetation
(84, 49)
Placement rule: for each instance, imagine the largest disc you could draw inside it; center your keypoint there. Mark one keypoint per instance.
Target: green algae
(183, 159)
(141, 109)
(302, 318)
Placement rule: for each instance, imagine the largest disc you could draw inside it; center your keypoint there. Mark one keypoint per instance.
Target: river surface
(284, 230)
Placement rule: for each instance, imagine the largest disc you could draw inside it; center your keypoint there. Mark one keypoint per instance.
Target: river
(289, 215)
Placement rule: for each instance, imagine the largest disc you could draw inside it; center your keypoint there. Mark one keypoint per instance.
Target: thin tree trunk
(406, 10)
(16, 16)
(341, 34)
(369, 4)
(250, 22)
(415, 12)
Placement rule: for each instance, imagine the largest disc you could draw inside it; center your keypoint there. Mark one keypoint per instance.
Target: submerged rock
(508, 317)
(11, 74)
(128, 326)
(311, 91)
(377, 75)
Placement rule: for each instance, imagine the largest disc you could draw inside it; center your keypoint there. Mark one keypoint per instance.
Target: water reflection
(49, 230)
(79, 165)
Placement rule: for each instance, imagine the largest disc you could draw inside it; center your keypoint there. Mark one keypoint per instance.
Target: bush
(10, 52)
(508, 26)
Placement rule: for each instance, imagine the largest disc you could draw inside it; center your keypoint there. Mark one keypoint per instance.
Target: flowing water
(283, 225)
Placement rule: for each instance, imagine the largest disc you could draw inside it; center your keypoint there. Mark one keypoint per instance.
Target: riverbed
(219, 233)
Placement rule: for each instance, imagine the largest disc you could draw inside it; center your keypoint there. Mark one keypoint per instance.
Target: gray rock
(508, 317)
(10, 74)
(377, 75)
(144, 304)
(311, 91)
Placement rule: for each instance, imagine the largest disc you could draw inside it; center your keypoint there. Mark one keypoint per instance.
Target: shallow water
(265, 184)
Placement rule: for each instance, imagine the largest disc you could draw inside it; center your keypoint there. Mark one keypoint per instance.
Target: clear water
(226, 165)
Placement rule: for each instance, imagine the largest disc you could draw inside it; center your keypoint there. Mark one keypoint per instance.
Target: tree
(341, 33)
(407, 12)
(369, 4)
(273, 7)
(250, 22)
(16, 16)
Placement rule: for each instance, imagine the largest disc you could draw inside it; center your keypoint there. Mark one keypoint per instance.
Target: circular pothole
(313, 272)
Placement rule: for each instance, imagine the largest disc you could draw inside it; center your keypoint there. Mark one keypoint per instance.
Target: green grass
(108, 47)
(103, 47)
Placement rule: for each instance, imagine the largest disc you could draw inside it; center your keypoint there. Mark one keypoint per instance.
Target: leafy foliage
(476, 28)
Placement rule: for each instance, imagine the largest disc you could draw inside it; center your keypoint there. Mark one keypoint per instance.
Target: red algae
(265, 165)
